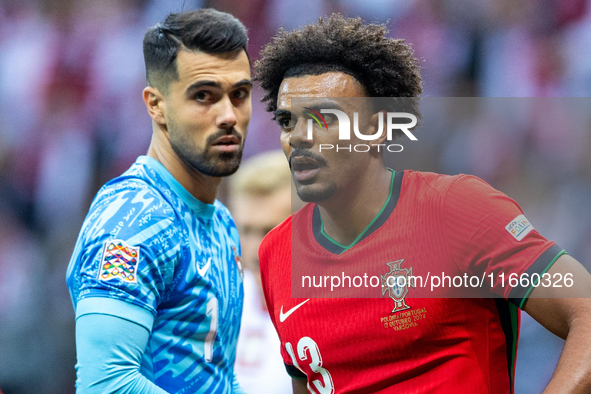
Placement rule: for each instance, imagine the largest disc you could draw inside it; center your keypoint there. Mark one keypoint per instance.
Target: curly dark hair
(384, 66)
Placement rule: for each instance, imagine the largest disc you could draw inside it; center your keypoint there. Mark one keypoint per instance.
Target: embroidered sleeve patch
(119, 261)
(519, 227)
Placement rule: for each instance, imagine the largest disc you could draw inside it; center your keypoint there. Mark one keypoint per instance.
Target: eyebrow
(281, 112)
(326, 105)
(217, 85)
(244, 82)
(317, 107)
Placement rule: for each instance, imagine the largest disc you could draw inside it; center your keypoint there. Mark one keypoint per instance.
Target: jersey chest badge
(119, 261)
(396, 284)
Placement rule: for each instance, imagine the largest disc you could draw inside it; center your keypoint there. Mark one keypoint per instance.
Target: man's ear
(374, 123)
(156, 104)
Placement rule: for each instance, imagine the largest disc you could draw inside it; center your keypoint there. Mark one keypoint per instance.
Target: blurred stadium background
(71, 118)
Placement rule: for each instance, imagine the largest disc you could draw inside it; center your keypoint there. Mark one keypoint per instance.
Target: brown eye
(203, 96)
(284, 122)
(240, 94)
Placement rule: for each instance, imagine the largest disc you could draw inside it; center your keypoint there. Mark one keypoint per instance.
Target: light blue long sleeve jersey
(157, 259)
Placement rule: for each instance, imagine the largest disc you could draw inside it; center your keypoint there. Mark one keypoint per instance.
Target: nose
(226, 118)
(298, 137)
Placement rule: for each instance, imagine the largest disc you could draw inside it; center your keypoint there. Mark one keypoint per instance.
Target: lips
(226, 140)
(227, 143)
(304, 168)
(302, 163)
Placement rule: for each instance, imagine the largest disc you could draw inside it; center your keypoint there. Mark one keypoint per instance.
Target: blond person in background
(260, 200)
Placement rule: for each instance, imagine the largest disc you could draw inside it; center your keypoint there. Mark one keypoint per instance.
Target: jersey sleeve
(488, 234)
(128, 250)
(111, 363)
(265, 259)
(272, 252)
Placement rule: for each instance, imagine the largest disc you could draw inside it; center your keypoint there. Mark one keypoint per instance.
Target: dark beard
(204, 160)
(207, 163)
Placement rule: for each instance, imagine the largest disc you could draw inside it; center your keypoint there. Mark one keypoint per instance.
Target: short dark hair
(385, 67)
(206, 30)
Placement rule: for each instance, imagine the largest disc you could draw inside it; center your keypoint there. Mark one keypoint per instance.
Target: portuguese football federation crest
(396, 283)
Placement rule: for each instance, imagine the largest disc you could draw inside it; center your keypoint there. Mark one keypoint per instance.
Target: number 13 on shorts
(314, 359)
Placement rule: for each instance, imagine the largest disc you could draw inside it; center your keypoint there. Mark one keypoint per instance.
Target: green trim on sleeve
(540, 266)
(531, 287)
(118, 308)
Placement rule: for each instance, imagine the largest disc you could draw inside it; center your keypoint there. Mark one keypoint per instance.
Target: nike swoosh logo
(203, 271)
(283, 316)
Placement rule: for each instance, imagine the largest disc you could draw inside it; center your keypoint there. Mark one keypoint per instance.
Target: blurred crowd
(71, 118)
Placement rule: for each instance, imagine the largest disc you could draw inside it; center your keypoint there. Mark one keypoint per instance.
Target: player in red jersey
(394, 222)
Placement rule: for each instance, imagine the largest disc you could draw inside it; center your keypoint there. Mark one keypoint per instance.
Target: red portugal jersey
(399, 344)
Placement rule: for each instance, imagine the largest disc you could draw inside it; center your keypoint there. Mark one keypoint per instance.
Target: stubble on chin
(203, 160)
(315, 195)
(208, 163)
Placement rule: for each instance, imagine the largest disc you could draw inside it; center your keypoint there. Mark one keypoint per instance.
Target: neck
(357, 204)
(201, 186)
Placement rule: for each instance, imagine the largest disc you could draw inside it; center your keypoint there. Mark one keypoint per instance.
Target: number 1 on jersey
(211, 310)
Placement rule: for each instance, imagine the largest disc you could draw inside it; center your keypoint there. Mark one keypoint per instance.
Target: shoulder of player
(441, 184)
(279, 233)
(273, 246)
(282, 232)
(278, 241)
(129, 192)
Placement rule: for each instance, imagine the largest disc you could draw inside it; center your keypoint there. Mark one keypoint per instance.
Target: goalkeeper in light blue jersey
(156, 277)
